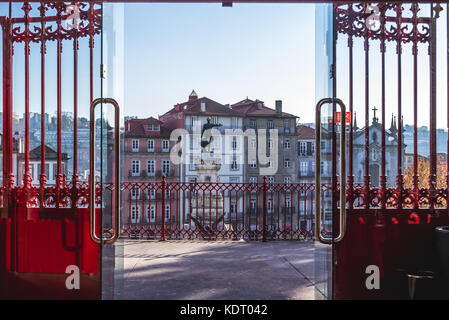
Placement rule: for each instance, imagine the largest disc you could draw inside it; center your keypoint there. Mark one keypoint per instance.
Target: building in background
(305, 144)
(280, 150)
(191, 115)
(147, 148)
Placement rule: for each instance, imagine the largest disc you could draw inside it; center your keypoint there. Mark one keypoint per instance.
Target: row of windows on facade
(166, 166)
(135, 145)
(151, 209)
(151, 167)
(252, 123)
(235, 145)
(50, 170)
(270, 124)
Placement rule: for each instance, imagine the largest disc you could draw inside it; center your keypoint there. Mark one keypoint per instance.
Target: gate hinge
(102, 71)
(332, 71)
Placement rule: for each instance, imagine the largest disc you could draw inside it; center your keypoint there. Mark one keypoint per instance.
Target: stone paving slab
(279, 270)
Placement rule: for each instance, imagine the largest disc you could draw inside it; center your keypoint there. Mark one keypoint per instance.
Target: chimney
(193, 96)
(279, 107)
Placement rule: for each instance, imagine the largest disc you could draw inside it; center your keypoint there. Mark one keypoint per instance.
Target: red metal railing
(213, 211)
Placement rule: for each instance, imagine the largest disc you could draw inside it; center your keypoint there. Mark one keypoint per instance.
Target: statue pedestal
(207, 206)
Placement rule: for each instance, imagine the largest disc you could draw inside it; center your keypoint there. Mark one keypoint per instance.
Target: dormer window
(153, 127)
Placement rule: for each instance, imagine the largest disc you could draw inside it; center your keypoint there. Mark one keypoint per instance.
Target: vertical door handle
(342, 232)
(92, 182)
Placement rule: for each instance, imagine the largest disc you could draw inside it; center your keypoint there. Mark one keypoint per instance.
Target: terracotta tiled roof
(305, 132)
(139, 131)
(250, 107)
(212, 108)
(50, 154)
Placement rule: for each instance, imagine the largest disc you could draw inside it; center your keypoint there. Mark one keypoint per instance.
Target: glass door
(162, 199)
(330, 148)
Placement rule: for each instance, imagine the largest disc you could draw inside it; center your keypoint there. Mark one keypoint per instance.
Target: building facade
(146, 152)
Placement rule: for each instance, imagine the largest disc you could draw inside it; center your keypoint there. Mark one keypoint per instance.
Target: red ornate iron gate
(37, 214)
(390, 222)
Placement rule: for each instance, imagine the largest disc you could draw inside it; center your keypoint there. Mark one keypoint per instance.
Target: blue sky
(259, 51)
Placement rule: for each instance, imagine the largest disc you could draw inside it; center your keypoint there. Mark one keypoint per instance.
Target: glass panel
(113, 88)
(151, 65)
(324, 60)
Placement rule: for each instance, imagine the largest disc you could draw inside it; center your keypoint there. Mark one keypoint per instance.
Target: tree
(423, 174)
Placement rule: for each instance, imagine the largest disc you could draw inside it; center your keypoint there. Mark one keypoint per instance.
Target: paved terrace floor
(218, 270)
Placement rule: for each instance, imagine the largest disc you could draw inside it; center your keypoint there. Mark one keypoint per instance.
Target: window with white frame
(234, 164)
(287, 179)
(135, 193)
(135, 214)
(253, 180)
(303, 167)
(151, 167)
(151, 210)
(270, 164)
(287, 143)
(270, 144)
(234, 122)
(234, 143)
(287, 162)
(166, 167)
(270, 124)
(135, 145)
(152, 194)
(165, 145)
(287, 125)
(302, 148)
(253, 163)
(253, 123)
(156, 127)
(288, 203)
(167, 212)
(253, 204)
(150, 145)
(214, 120)
(270, 179)
(191, 163)
(135, 167)
(269, 205)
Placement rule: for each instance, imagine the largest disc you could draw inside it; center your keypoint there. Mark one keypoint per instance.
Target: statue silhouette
(207, 126)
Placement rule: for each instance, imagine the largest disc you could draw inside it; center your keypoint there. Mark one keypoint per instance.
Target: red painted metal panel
(54, 239)
(391, 241)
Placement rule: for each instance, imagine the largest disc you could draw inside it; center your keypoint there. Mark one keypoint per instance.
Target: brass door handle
(319, 235)
(116, 211)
